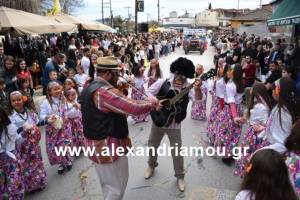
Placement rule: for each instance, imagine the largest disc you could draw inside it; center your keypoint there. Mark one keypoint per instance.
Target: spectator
(275, 74)
(2, 56)
(51, 65)
(274, 55)
(9, 75)
(249, 70)
(85, 61)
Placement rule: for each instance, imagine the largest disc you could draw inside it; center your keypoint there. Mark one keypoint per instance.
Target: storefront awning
(287, 13)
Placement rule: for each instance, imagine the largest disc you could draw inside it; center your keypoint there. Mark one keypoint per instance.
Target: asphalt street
(207, 178)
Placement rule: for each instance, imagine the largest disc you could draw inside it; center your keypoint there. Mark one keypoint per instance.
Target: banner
(140, 6)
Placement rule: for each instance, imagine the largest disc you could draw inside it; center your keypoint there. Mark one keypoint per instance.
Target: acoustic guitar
(172, 100)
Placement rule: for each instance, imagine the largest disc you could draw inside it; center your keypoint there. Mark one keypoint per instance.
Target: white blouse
(259, 114)
(220, 88)
(8, 144)
(72, 112)
(139, 82)
(20, 119)
(244, 195)
(231, 95)
(277, 132)
(46, 109)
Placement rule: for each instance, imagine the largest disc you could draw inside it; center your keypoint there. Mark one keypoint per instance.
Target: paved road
(207, 178)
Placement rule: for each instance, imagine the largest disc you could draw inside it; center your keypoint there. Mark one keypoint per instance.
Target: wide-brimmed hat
(108, 62)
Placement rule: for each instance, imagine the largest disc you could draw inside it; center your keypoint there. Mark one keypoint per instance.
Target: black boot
(61, 169)
(69, 167)
(227, 161)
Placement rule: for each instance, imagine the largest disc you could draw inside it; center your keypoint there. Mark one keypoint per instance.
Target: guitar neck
(211, 73)
(181, 94)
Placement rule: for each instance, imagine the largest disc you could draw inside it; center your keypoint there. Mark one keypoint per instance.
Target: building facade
(218, 17)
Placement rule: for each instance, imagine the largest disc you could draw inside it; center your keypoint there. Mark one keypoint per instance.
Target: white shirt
(81, 79)
(277, 134)
(220, 88)
(231, 95)
(157, 47)
(244, 195)
(20, 119)
(259, 114)
(72, 112)
(8, 144)
(85, 63)
(46, 109)
(142, 54)
(139, 82)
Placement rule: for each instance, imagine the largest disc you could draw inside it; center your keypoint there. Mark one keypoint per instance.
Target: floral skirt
(11, 177)
(254, 143)
(199, 108)
(58, 139)
(137, 95)
(227, 132)
(34, 172)
(78, 138)
(212, 120)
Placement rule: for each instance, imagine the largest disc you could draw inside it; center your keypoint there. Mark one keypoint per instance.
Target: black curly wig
(184, 67)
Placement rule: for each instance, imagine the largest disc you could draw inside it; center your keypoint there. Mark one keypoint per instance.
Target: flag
(56, 8)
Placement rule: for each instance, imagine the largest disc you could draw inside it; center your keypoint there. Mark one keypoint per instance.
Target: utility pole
(128, 10)
(102, 11)
(238, 5)
(111, 15)
(158, 12)
(260, 4)
(136, 18)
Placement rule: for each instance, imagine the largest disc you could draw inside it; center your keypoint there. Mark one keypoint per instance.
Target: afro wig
(184, 67)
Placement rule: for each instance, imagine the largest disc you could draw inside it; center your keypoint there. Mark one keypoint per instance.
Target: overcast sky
(92, 8)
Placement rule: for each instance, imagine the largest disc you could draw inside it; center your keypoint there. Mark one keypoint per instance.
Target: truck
(194, 40)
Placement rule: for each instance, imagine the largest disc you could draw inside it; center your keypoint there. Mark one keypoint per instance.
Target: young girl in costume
(217, 105)
(11, 176)
(292, 156)
(22, 113)
(283, 115)
(266, 178)
(59, 133)
(138, 91)
(199, 106)
(229, 120)
(154, 72)
(258, 114)
(74, 116)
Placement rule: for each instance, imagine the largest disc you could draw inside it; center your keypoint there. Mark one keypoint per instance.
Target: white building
(187, 20)
(218, 17)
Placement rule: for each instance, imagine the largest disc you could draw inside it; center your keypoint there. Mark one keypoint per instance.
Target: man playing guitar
(181, 69)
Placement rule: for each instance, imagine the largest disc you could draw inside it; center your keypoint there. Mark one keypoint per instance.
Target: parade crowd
(93, 82)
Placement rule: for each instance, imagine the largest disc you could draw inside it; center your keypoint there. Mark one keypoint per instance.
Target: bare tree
(25, 5)
(67, 6)
(41, 6)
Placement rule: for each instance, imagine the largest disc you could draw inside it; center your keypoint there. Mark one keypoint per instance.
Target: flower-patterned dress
(137, 93)
(259, 115)
(11, 176)
(228, 133)
(216, 108)
(75, 118)
(57, 138)
(293, 163)
(199, 106)
(34, 172)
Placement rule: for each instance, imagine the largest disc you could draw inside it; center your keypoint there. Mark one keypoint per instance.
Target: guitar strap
(164, 89)
(182, 106)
